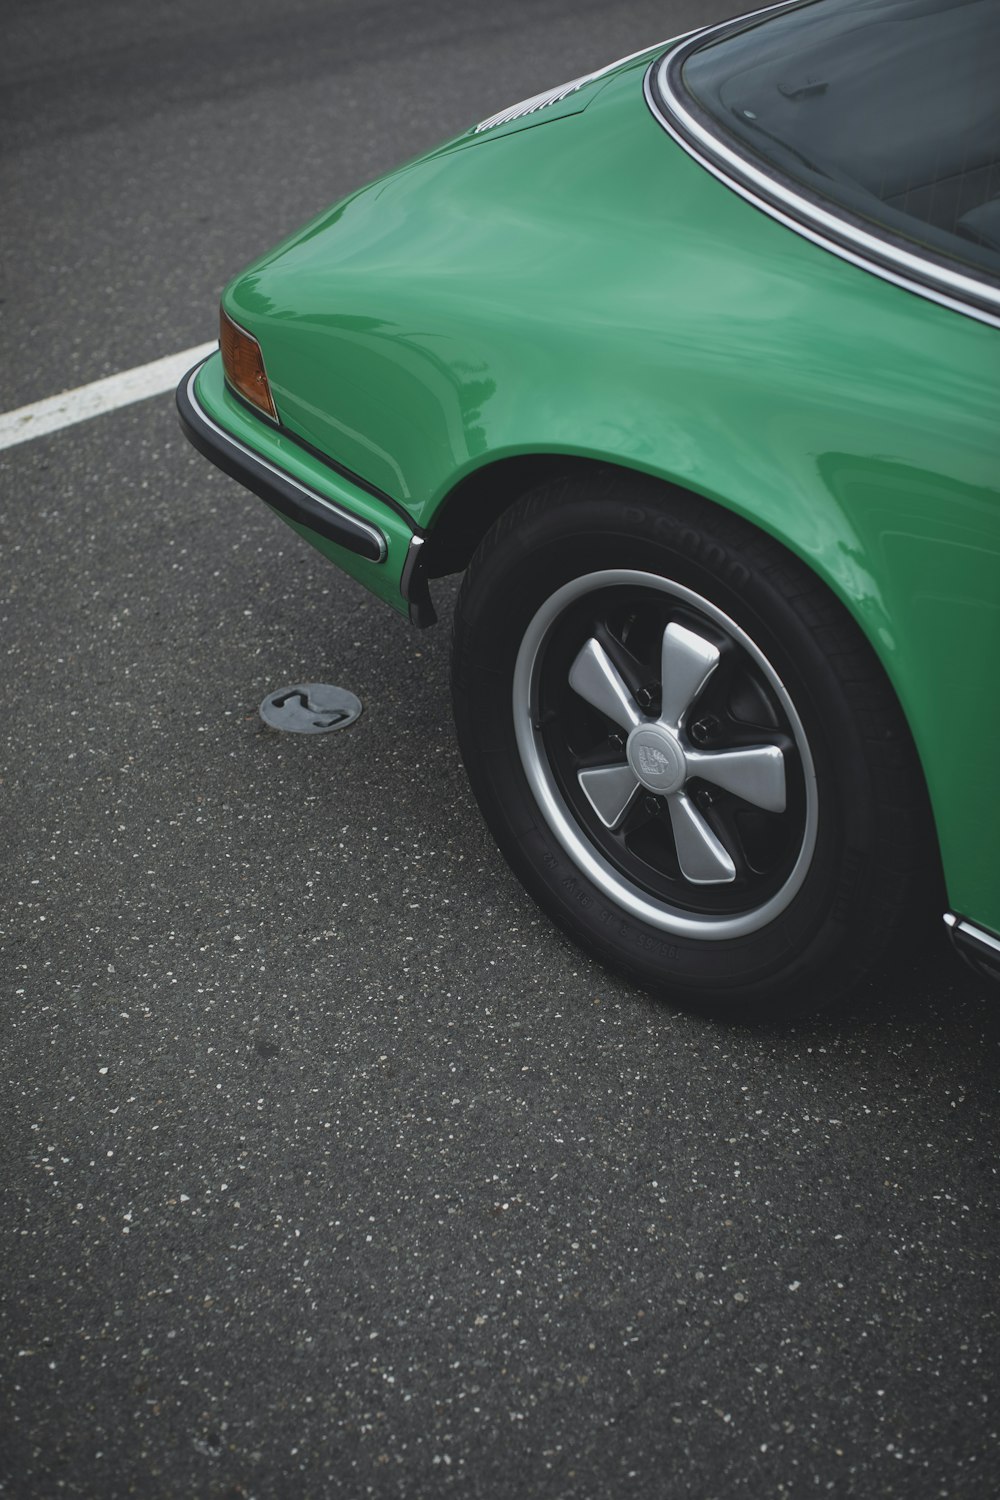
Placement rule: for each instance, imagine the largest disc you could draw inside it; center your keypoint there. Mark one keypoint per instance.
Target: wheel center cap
(656, 758)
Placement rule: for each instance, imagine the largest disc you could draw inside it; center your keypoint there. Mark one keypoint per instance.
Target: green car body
(573, 285)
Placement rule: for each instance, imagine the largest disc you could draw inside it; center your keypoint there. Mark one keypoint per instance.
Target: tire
(684, 747)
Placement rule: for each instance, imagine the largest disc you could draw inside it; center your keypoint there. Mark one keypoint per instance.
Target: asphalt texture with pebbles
(330, 1168)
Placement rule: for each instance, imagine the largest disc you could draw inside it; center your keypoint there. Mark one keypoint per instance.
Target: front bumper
(380, 546)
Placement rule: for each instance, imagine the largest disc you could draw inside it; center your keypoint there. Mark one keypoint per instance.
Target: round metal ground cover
(310, 708)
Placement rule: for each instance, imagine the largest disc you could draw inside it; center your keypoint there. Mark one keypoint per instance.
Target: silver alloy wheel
(660, 758)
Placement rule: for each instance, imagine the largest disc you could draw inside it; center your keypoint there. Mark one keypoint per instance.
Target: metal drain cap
(310, 708)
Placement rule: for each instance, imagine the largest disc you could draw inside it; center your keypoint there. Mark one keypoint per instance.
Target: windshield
(886, 111)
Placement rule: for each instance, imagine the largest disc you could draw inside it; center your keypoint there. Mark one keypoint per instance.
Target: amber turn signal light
(244, 365)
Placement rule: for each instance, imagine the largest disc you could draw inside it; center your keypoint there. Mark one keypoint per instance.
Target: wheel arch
(533, 557)
(478, 500)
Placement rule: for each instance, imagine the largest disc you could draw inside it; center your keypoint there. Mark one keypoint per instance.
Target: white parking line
(102, 395)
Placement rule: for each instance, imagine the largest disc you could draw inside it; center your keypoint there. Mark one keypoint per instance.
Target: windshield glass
(887, 111)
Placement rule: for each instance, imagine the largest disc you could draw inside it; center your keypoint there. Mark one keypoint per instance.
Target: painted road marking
(100, 396)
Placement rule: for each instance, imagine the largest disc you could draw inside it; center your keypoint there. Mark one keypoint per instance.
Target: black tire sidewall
(822, 935)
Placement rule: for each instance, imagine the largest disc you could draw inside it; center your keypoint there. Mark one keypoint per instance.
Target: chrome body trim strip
(978, 947)
(280, 489)
(975, 934)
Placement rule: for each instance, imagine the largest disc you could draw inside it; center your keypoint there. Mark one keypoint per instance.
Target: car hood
(583, 288)
(414, 281)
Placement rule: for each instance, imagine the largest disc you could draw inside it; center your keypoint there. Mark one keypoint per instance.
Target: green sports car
(691, 366)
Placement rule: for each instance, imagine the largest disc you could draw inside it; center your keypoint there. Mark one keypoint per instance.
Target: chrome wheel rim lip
(564, 825)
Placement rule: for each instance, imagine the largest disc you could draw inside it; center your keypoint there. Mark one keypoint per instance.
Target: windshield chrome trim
(963, 294)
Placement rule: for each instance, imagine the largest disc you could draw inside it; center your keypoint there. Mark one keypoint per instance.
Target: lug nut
(704, 729)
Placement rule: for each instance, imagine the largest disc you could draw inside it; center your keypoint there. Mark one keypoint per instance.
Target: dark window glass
(887, 111)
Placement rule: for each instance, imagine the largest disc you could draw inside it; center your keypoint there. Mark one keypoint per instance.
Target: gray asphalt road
(330, 1168)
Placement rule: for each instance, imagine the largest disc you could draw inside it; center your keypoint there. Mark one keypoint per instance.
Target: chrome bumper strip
(293, 499)
(979, 947)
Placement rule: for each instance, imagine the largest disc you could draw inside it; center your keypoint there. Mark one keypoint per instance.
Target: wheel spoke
(702, 858)
(757, 774)
(686, 663)
(609, 790)
(595, 677)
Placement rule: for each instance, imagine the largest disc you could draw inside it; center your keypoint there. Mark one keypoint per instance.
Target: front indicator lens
(244, 365)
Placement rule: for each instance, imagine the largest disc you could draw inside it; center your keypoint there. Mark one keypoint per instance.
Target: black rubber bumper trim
(977, 946)
(414, 587)
(287, 495)
(357, 480)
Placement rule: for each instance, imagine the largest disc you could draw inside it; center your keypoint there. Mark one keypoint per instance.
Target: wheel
(684, 746)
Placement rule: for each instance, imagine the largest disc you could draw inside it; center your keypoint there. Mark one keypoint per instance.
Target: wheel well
(477, 501)
(480, 499)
